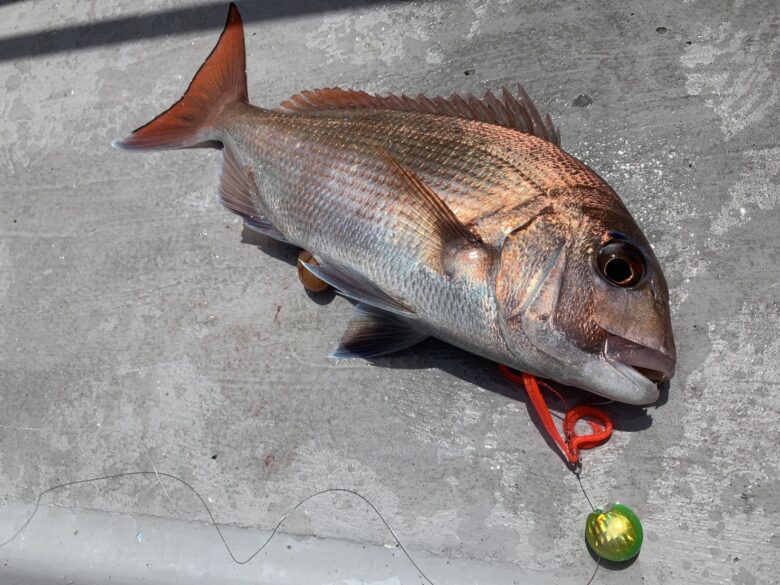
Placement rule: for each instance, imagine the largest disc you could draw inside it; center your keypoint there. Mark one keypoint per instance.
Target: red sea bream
(457, 218)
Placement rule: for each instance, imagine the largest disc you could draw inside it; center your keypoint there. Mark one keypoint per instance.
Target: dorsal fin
(511, 111)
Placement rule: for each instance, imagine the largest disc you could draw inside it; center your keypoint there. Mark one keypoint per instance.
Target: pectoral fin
(265, 227)
(432, 211)
(372, 333)
(430, 227)
(355, 286)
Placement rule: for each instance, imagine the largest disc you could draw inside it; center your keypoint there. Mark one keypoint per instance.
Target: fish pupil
(618, 271)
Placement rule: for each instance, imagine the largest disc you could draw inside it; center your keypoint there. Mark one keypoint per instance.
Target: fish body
(441, 218)
(324, 182)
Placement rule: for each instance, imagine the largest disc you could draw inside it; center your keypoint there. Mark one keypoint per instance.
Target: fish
(455, 218)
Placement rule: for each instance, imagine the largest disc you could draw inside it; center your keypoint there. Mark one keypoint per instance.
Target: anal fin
(238, 192)
(372, 333)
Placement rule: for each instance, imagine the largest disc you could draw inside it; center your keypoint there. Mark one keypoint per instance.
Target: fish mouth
(650, 363)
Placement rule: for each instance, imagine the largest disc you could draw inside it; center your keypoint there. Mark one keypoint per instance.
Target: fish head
(580, 290)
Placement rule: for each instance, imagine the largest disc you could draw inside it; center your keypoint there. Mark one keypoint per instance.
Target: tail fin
(219, 81)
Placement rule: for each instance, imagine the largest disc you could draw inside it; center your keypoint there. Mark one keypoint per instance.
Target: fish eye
(621, 263)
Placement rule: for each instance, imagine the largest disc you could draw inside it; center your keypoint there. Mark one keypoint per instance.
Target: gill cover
(533, 258)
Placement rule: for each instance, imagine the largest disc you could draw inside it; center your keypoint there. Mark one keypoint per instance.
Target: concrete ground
(138, 332)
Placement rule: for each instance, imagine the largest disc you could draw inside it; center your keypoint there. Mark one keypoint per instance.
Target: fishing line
(596, 570)
(574, 466)
(584, 493)
(160, 474)
(577, 473)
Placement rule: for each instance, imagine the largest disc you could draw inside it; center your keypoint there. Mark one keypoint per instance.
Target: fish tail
(190, 122)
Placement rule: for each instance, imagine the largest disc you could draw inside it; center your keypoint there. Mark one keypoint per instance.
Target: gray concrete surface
(136, 330)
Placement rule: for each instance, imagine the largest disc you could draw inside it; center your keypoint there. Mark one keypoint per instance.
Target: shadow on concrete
(274, 248)
(125, 29)
(484, 373)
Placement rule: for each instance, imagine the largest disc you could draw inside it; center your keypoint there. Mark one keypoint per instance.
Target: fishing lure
(614, 533)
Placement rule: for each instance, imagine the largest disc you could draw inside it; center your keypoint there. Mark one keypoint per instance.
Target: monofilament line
(584, 493)
(596, 570)
(160, 474)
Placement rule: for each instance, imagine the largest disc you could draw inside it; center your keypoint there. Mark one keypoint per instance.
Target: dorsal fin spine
(516, 112)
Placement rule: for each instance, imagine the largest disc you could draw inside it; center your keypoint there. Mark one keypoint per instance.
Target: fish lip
(642, 390)
(652, 364)
(616, 381)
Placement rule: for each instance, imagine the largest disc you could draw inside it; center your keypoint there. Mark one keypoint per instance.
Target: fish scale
(475, 180)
